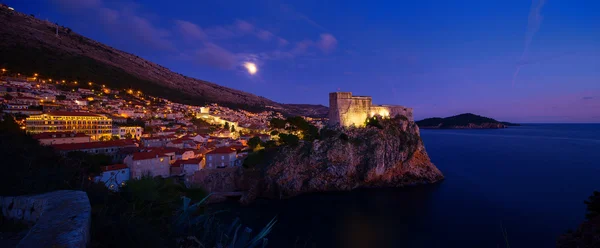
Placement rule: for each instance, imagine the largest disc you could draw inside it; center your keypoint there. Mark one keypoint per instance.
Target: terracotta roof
(147, 155)
(68, 113)
(54, 135)
(94, 145)
(179, 163)
(113, 167)
(222, 150)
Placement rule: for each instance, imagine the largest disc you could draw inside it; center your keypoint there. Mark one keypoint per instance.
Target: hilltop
(463, 121)
(30, 45)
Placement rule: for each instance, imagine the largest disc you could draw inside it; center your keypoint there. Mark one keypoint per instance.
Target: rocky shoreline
(392, 155)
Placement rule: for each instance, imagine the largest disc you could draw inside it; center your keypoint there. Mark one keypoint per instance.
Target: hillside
(29, 45)
(461, 121)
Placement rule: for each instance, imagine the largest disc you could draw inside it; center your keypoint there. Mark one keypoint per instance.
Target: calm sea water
(530, 181)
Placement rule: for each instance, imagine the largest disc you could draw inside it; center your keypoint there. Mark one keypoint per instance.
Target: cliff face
(350, 158)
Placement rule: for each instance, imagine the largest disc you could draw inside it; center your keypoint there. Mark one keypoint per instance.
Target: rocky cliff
(391, 155)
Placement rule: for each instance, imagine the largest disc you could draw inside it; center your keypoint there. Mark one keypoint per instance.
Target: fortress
(347, 110)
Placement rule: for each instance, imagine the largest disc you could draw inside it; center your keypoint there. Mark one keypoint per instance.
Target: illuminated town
(142, 133)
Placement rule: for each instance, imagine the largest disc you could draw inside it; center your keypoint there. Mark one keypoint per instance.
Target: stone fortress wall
(346, 109)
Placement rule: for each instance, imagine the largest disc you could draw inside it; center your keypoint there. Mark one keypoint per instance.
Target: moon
(251, 67)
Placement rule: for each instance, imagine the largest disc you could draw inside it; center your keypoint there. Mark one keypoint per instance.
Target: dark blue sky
(509, 59)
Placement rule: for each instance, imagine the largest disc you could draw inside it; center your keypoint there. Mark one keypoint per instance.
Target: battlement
(347, 110)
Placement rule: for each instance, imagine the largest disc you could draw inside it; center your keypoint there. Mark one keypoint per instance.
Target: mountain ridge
(30, 44)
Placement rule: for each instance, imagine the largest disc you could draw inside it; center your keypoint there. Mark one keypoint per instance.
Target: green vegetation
(254, 142)
(277, 123)
(289, 139)
(373, 122)
(593, 206)
(293, 125)
(458, 120)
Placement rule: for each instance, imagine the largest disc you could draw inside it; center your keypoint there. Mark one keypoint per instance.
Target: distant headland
(463, 121)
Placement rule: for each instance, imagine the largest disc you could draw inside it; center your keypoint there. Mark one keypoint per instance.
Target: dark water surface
(530, 180)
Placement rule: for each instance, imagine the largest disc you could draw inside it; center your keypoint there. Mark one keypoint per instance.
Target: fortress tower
(347, 110)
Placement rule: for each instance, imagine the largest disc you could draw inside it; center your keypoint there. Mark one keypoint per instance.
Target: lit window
(162, 159)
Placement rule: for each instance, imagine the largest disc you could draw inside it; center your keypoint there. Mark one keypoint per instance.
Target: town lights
(3, 70)
(35, 74)
(90, 83)
(75, 82)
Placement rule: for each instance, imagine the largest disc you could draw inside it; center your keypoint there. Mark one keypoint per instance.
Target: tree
(254, 142)
(277, 123)
(289, 139)
(274, 132)
(129, 136)
(298, 122)
(115, 137)
(226, 125)
(104, 138)
(270, 144)
(232, 128)
(593, 205)
(8, 96)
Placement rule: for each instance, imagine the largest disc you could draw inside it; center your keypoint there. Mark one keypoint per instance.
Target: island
(463, 121)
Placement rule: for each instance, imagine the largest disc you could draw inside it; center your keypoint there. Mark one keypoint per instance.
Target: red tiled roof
(179, 163)
(113, 167)
(222, 150)
(68, 113)
(147, 155)
(53, 135)
(94, 145)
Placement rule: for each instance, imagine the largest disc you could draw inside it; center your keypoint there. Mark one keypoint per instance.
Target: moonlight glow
(251, 67)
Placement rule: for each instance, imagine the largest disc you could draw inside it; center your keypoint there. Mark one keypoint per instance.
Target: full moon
(251, 67)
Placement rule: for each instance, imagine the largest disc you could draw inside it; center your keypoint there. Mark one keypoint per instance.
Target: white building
(148, 163)
(113, 176)
(134, 132)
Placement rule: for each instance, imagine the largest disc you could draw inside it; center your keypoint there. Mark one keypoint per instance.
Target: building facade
(94, 125)
(148, 163)
(220, 158)
(113, 176)
(134, 132)
(348, 110)
(55, 138)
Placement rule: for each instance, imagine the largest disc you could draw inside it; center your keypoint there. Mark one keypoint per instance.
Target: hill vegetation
(467, 120)
(29, 45)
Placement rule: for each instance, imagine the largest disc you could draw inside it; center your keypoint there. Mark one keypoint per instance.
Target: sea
(517, 187)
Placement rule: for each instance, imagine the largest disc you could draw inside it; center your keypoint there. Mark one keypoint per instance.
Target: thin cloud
(290, 12)
(327, 43)
(190, 30)
(216, 56)
(585, 98)
(533, 25)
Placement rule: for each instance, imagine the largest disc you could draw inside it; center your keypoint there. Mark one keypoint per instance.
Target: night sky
(512, 60)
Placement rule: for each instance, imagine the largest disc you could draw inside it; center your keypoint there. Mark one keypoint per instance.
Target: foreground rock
(390, 156)
(59, 219)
